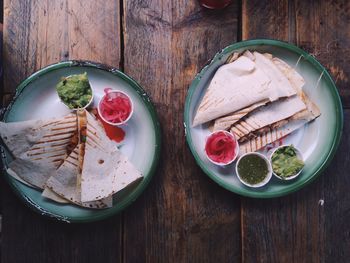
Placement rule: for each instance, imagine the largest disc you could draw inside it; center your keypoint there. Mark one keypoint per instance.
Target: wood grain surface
(38, 33)
(301, 227)
(322, 28)
(183, 216)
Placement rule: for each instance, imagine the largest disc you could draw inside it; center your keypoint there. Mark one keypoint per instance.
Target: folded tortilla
(276, 113)
(293, 76)
(280, 129)
(105, 169)
(49, 194)
(64, 184)
(296, 80)
(267, 115)
(225, 123)
(15, 176)
(250, 79)
(39, 147)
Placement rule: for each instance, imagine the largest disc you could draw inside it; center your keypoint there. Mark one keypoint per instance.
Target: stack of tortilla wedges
(70, 158)
(258, 98)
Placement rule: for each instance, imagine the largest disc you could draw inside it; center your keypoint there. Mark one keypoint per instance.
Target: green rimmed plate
(317, 141)
(36, 98)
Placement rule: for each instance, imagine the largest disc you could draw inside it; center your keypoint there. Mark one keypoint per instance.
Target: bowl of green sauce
(287, 162)
(253, 169)
(75, 91)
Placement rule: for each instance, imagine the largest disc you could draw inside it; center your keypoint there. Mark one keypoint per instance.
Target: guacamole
(75, 90)
(285, 162)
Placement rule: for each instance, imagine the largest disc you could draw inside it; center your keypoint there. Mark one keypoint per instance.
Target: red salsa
(115, 107)
(113, 132)
(221, 147)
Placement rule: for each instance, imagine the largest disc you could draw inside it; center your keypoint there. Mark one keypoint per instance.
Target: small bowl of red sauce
(115, 107)
(221, 148)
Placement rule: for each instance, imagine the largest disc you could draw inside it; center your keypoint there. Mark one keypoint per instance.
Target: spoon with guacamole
(75, 91)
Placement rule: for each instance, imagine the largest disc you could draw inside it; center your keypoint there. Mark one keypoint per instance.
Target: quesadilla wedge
(224, 123)
(49, 194)
(277, 113)
(39, 147)
(64, 184)
(293, 76)
(280, 129)
(105, 169)
(267, 115)
(15, 176)
(250, 79)
(297, 81)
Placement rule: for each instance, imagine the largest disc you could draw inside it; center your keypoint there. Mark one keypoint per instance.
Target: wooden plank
(6, 99)
(29, 237)
(183, 216)
(265, 19)
(323, 29)
(301, 227)
(37, 33)
(337, 201)
(319, 27)
(311, 225)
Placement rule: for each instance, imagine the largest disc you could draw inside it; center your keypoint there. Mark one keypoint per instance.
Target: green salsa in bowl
(253, 169)
(75, 91)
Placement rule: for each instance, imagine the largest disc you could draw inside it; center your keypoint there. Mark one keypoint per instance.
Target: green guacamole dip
(75, 90)
(285, 162)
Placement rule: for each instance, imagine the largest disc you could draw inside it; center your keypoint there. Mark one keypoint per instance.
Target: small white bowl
(268, 176)
(116, 123)
(299, 155)
(86, 106)
(236, 152)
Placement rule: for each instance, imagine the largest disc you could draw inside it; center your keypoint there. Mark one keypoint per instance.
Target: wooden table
(182, 216)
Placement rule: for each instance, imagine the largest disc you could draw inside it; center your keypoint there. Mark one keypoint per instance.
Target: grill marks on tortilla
(73, 159)
(268, 117)
(224, 123)
(39, 147)
(94, 140)
(68, 118)
(53, 145)
(243, 136)
(264, 139)
(281, 129)
(64, 183)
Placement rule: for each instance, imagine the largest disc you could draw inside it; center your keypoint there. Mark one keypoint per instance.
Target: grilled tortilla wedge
(64, 183)
(39, 147)
(277, 131)
(250, 79)
(105, 169)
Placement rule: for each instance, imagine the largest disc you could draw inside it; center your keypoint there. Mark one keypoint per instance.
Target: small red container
(221, 143)
(215, 4)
